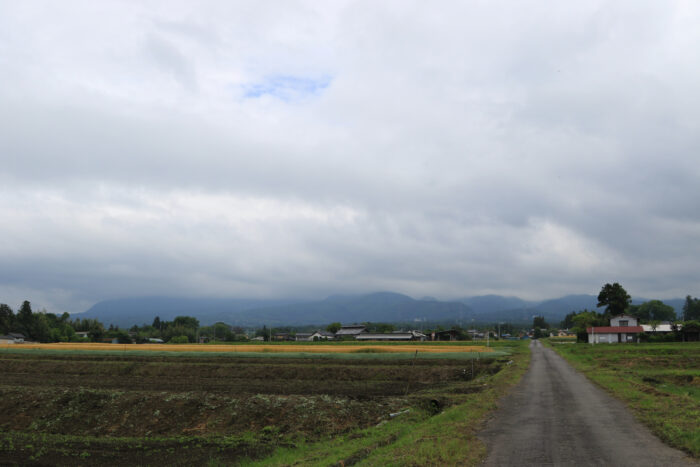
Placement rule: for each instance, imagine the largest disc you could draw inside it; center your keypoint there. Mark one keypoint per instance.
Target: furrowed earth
(62, 408)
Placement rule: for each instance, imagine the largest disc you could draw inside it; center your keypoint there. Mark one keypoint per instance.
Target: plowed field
(67, 408)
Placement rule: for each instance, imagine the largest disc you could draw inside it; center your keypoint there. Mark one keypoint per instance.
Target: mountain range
(374, 307)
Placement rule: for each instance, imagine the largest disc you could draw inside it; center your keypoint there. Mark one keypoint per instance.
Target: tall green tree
(615, 298)
(691, 309)
(186, 321)
(653, 310)
(25, 318)
(7, 318)
(539, 322)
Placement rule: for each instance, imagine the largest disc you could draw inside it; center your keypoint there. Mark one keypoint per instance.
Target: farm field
(106, 408)
(275, 347)
(660, 382)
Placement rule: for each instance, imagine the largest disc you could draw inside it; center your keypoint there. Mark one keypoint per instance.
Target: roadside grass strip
(659, 382)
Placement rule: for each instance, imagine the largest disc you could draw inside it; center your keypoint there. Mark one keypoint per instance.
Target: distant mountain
(374, 307)
(125, 312)
(485, 304)
(564, 305)
(492, 308)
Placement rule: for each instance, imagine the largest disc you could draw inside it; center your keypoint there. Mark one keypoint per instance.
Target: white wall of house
(623, 320)
(602, 338)
(610, 338)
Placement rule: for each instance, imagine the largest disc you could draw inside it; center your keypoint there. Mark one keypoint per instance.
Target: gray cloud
(304, 149)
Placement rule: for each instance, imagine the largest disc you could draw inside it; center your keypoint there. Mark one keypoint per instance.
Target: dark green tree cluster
(582, 320)
(540, 327)
(37, 326)
(691, 309)
(652, 311)
(93, 327)
(223, 332)
(615, 298)
(186, 326)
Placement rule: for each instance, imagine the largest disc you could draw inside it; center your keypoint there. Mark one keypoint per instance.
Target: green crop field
(660, 382)
(152, 408)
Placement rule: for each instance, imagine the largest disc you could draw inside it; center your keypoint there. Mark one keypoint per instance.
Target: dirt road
(555, 416)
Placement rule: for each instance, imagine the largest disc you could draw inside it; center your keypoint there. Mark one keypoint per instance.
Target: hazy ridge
(375, 307)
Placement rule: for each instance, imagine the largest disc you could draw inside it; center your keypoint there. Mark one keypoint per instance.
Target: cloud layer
(302, 148)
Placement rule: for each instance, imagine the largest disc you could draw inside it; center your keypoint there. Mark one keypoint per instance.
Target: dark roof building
(351, 330)
(394, 336)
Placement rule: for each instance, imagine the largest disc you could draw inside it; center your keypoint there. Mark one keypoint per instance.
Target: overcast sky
(300, 149)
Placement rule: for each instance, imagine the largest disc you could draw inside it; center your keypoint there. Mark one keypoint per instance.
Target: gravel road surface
(555, 416)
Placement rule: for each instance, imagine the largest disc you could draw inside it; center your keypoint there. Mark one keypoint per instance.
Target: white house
(12, 338)
(315, 336)
(623, 328)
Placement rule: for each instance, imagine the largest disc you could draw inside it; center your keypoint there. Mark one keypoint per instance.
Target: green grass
(659, 382)
(417, 437)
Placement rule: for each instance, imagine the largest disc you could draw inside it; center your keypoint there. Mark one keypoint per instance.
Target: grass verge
(659, 382)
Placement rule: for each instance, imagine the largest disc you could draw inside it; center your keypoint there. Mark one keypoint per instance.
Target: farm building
(322, 335)
(691, 332)
(449, 335)
(623, 328)
(314, 336)
(351, 330)
(282, 336)
(12, 338)
(662, 328)
(394, 336)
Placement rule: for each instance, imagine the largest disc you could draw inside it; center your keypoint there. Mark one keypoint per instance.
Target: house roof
(614, 329)
(394, 336)
(350, 330)
(16, 335)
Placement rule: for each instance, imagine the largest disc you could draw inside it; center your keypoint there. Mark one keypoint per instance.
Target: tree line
(43, 326)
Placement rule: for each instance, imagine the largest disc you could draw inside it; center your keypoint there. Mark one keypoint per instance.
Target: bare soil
(94, 409)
